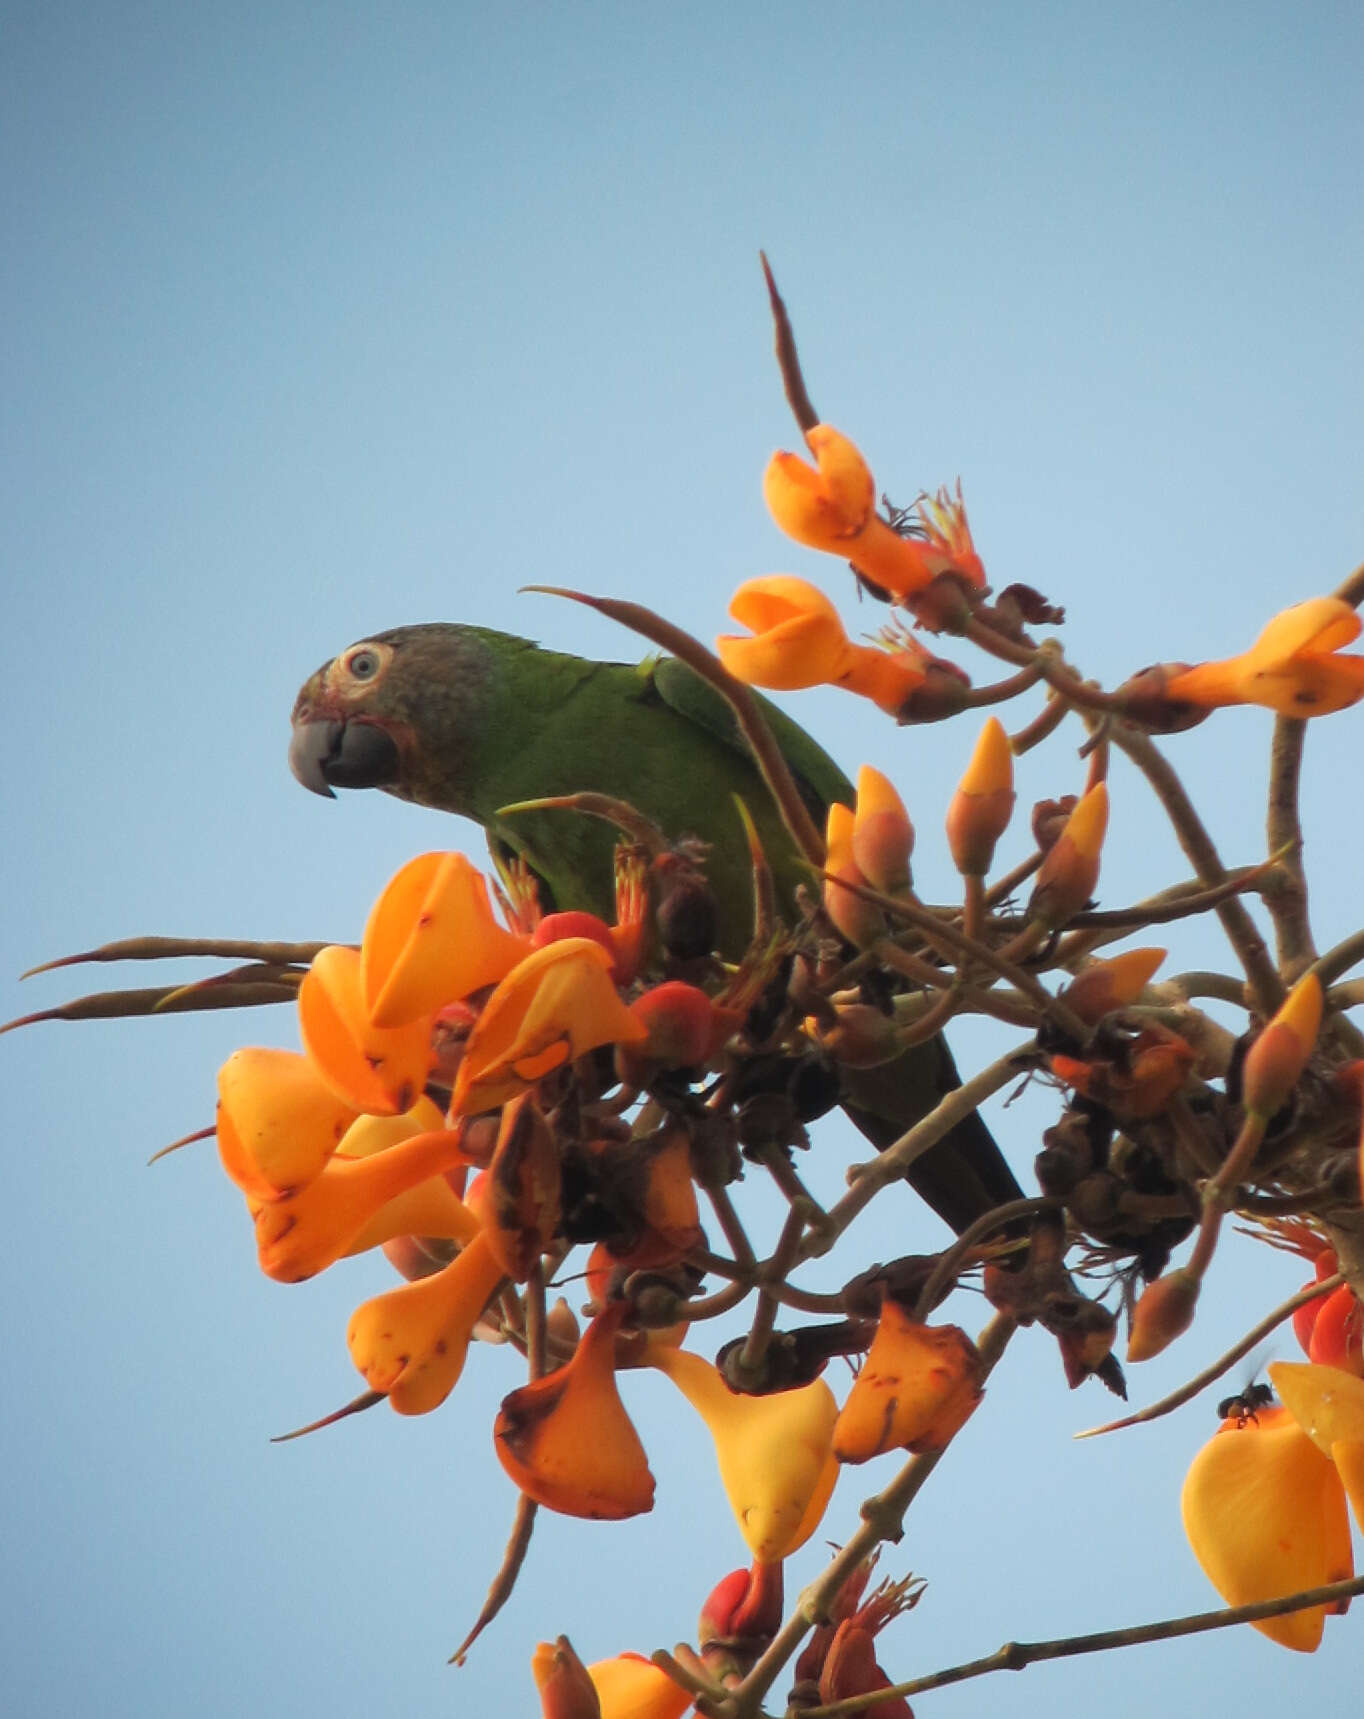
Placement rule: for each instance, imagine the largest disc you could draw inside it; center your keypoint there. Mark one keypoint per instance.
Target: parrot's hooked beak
(326, 753)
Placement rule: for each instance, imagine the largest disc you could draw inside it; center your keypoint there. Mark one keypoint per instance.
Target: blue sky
(323, 319)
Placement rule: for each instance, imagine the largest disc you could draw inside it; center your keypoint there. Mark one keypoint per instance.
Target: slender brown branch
(765, 1314)
(500, 1590)
(1242, 1347)
(951, 1260)
(179, 948)
(1016, 1655)
(1052, 714)
(1287, 903)
(787, 360)
(1240, 928)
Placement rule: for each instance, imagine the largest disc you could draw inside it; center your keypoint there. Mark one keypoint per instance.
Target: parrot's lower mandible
(468, 720)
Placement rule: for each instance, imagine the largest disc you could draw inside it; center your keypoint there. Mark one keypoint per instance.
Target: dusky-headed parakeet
(468, 720)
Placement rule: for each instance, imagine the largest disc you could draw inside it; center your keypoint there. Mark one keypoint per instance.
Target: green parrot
(467, 720)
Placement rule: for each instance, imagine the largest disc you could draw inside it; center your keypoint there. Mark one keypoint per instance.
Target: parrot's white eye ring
(363, 663)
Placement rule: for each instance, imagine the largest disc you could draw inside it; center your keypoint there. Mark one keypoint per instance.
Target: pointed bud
(882, 835)
(1164, 1312)
(567, 1441)
(1068, 875)
(916, 1389)
(861, 922)
(1274, 1063)
(983, 803)
(1103, 986)
(566, 1689)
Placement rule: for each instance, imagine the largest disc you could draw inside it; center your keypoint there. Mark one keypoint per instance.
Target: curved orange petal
(278, 1120)
(1265, 1514)
(411, 1342)
(431, 939)
(567, 1441)
(630, 1687)
(376, 1069)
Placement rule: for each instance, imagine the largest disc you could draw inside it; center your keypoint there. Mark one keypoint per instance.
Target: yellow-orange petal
(916, 1389)
(303, 1233)
(278, 1120)
(631, 1687)
(411, 1342)
(822, 508)
(1327, 1404)
(798, 638)
(432, 939)
(983, 804)
(567, 1441)
(1265, 1514)
(860, 921)
(376, 1069)
(1319, 625)
(553, 1007)
(774, 1452)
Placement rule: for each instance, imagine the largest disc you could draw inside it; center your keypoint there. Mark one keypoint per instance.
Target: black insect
(1245, 1404)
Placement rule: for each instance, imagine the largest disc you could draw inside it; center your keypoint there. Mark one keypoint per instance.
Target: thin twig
(1016, 1655)
(787, 360)
(1224, 1363)
(1287, 903)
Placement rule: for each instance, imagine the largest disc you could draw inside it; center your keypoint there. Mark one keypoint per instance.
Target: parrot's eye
(363, 664)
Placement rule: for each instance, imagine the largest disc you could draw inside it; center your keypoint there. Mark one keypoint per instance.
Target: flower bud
(1164, 1312)
(1274, 1063)
(566, 1689)
(882, 835)
(983, 803)
(1070, 871)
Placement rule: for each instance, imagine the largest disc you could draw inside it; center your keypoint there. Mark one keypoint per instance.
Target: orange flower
(278, 1121)
(378, 1069)
(411, 1342)
(343, 1209)
(631, 1687)
(917, 1388)
(799, 641)
(553, 1007)
(1294, 667)
(1265, 1515)
(774, 1453)
(566, 1439)
(431, 940)
(833, 508)
(1328, 1405)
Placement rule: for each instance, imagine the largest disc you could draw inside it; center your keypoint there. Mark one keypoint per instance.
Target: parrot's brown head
(390, 711)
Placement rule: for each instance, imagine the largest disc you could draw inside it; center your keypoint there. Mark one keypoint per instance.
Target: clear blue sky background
(319, 319)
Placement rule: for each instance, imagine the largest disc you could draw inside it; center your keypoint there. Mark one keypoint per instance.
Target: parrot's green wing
(819, 779)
